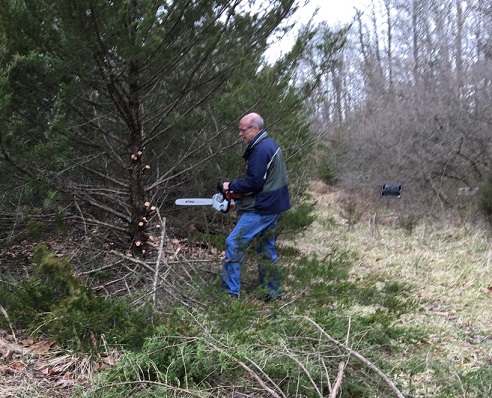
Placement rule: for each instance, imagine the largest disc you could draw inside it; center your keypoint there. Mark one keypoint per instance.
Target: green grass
(249, 344)
(411, 304)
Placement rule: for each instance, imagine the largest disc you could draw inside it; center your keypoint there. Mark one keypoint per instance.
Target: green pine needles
(55, 302)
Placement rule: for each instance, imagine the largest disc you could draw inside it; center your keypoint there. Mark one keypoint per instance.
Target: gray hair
(258, 121)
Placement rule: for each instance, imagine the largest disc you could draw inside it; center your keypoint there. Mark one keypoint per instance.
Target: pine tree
(114, 103)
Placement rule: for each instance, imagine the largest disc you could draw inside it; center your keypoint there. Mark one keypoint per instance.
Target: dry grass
(448, 263)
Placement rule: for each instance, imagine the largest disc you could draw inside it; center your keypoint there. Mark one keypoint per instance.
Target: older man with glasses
(265, 194)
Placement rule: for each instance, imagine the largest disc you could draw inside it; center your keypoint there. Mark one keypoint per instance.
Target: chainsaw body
(223, 201)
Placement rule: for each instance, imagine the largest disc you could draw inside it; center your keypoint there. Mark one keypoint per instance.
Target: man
(265, 194)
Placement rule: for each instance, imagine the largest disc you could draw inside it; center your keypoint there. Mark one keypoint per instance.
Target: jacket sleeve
(254, 178)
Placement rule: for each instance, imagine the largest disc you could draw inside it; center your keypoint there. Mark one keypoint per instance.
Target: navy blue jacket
(265, 184)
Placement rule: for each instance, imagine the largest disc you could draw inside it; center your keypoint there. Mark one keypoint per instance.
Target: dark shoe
(268, 297)
(234, 296)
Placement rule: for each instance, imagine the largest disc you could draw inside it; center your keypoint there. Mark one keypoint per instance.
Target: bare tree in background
(421, 72)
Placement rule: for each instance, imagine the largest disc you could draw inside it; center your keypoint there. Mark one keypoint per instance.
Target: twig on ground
(159, 256)
(81, 214)
(361, 358)
(248, 369)
(338, 381)
(251, 372)
(341, 367)
(294, 299)
(4, 312)
(170, 287)
(152, 383)
(306, 371)
(92, 271)
(103, 286)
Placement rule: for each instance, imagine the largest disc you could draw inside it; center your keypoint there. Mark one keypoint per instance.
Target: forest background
(110, 110)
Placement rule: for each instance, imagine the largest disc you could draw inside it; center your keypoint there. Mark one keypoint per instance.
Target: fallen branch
(361, 358)
(248, 369)
(159, 256)
(303, 368)
(153, 383)
(341, 368)
(338, 381)
(6, 315)
(251, 372)
(170, 288)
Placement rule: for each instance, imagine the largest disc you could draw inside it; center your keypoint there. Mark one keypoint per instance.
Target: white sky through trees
(334, 12)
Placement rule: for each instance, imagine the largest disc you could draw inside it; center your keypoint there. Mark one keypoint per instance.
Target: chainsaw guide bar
(194, 202)
(219, 202)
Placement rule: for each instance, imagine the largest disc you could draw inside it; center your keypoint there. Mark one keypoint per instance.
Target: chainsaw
(224, 200)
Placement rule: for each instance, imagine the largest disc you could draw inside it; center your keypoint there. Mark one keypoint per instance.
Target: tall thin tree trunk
(136, 183)
(377, 51)
(389, 21)
(337, 86)
(459, 47)
(415, 41)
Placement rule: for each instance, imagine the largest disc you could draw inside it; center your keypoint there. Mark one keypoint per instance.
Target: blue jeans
(249, 226)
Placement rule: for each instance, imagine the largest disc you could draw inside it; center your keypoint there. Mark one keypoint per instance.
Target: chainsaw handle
(226, 194)
(229, 196)
(220, 187)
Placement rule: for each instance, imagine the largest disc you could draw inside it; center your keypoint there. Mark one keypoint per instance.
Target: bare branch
(338, 380)
(159, 255)
(361, 358)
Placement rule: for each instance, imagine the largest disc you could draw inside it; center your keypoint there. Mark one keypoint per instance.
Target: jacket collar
(259, 137)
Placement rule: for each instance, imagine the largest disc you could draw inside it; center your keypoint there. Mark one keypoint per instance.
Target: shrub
(486, 197)
(297, 218)
(408, 223)
(351, 212)
(35, 228)
(325, 165)
(54, 301)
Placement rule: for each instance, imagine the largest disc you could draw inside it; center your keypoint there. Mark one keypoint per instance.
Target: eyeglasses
(246, 129)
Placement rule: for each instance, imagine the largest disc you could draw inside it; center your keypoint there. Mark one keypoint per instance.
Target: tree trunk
(136, 185)
(415, 41)
(459, 48)
(389, 22)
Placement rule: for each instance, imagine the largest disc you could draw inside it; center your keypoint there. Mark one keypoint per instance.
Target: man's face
(247, 131)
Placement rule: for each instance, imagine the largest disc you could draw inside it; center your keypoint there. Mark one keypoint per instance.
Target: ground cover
(442, 267)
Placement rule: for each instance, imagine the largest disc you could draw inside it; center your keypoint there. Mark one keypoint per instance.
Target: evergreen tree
(113, 104)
